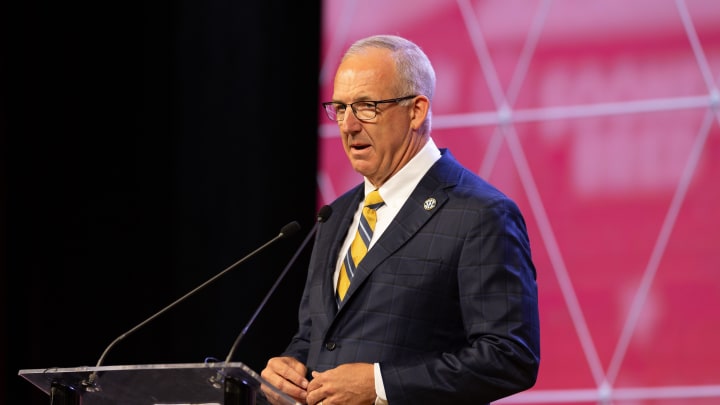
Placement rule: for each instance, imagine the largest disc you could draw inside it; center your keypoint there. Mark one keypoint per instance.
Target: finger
(286, 375)
(293, 371)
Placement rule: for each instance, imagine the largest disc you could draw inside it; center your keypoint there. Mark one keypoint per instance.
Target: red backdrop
(601, 119)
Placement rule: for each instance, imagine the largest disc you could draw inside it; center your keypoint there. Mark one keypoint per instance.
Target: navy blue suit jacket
(445, 301)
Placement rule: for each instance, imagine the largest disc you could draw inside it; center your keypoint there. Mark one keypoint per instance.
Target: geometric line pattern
(502, 104)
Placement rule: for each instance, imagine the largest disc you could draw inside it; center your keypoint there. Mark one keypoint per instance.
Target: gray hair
(415, 72)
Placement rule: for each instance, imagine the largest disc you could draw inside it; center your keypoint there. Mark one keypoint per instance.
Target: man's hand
(288, 375)
(347, 384)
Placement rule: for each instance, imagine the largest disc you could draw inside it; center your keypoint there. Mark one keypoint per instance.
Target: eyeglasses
(363, 110)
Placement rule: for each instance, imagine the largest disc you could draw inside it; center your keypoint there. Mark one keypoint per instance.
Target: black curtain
(146, 147)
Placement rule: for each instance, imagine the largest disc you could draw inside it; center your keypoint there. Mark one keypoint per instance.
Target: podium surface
(151, 384)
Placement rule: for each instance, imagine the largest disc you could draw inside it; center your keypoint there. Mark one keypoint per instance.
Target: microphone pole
(238, 391)
(286, 231)
(322, 216)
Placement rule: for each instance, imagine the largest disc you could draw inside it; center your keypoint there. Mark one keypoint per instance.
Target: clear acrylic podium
(154, 384)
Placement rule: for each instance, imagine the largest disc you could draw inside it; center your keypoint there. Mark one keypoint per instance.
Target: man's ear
(419, 111)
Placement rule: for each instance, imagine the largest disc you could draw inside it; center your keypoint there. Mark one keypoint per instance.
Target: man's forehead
(362, 76)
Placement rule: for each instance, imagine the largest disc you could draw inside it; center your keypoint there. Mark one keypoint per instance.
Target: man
(443, 307)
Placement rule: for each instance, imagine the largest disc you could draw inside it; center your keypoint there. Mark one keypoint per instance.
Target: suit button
(330, 346)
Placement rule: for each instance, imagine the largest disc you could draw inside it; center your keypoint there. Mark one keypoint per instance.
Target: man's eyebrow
(355, 100)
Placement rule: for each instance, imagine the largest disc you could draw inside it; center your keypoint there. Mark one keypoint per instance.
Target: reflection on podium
(155, 384)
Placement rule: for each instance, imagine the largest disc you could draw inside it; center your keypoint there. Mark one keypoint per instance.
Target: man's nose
(349, 120)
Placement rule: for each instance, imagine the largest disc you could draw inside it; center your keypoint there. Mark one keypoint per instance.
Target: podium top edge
(83, 369)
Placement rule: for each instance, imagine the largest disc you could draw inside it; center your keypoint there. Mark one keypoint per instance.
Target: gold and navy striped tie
(359, 245)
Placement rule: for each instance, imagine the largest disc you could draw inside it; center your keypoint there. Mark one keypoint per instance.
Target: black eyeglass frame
(331, 107)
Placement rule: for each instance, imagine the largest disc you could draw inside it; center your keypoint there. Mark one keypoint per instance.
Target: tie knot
(373, 200)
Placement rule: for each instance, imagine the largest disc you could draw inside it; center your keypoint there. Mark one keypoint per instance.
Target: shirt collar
(399, 187)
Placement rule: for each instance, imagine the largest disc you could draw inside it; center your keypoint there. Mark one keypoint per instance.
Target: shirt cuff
(379, 387)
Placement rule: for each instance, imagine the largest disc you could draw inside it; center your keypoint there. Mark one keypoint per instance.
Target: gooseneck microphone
(323, 215)
(286, 231)
(238, 391)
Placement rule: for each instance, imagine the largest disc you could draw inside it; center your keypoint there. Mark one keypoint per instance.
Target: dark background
(145, 148)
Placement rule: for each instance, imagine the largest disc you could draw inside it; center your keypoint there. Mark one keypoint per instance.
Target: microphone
(322, 216)
(286, 231)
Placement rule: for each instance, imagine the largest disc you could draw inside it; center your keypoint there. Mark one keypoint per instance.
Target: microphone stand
(90, 384)
(236, 390)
